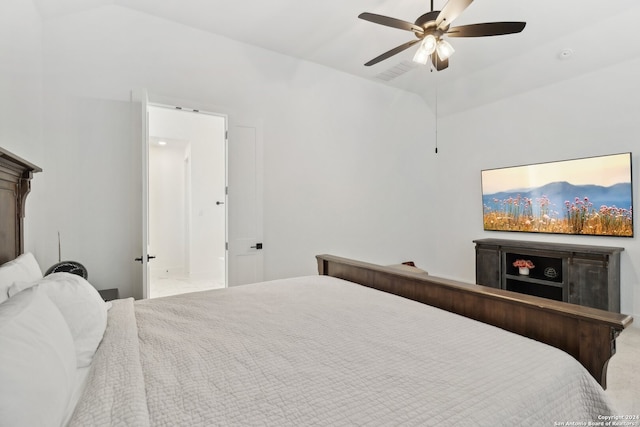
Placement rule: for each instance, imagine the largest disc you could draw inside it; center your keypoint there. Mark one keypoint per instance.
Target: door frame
(233, 118)
(146, 280)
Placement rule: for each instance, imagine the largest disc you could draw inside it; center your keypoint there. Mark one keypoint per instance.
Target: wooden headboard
(15, 184)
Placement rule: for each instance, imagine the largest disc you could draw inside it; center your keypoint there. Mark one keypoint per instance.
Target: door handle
(219, 203)
(149, 257)
(257, 246)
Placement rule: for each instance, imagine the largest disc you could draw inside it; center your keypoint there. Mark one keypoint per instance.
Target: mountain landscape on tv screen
(562, 207)
(618, 195)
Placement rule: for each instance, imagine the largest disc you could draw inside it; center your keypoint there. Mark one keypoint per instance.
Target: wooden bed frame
(15, 184)
(587, 334)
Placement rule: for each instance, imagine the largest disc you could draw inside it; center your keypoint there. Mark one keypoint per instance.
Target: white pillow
(80, 305)
(37, 361)
(24, 268)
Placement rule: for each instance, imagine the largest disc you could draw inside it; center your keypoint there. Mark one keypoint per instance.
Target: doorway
(187, 201)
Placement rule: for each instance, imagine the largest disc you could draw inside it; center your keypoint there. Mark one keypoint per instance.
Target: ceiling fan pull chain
(436, 79)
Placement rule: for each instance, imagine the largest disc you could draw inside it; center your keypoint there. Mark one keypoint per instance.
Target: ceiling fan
(431, 28)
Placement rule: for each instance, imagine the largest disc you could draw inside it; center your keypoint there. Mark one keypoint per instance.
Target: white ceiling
(482, 70)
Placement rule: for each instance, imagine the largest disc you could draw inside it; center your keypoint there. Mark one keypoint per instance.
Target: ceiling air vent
(396, 71)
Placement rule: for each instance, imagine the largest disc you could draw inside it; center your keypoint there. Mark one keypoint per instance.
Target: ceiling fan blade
(486, 29)
(451, 11)
(390, 22)
(392, 52)
(438, 63)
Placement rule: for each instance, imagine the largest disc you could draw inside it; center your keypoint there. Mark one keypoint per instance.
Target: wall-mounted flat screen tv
(589, 196)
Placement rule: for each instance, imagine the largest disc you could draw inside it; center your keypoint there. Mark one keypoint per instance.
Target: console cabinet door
(589, 282)
(488, 266)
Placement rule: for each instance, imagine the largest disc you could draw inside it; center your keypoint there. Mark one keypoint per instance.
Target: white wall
(585, 116)
(352, 174)
(91, 173)
(348, 163)
(21, 97)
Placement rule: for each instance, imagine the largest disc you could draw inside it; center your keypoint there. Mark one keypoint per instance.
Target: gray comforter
(321, 351)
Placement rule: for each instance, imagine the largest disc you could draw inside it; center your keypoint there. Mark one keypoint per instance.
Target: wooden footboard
(587, 334)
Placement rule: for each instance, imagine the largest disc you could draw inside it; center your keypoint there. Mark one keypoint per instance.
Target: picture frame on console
(586, 196)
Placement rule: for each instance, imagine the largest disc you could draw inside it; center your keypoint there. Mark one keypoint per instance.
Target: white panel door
(140, 113)
(246, 260)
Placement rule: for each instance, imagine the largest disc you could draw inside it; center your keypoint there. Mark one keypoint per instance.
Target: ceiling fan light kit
(444, 49)
(427, 47)
(431, 28)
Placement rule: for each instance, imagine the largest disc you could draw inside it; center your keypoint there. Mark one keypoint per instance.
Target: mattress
(322, 351)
